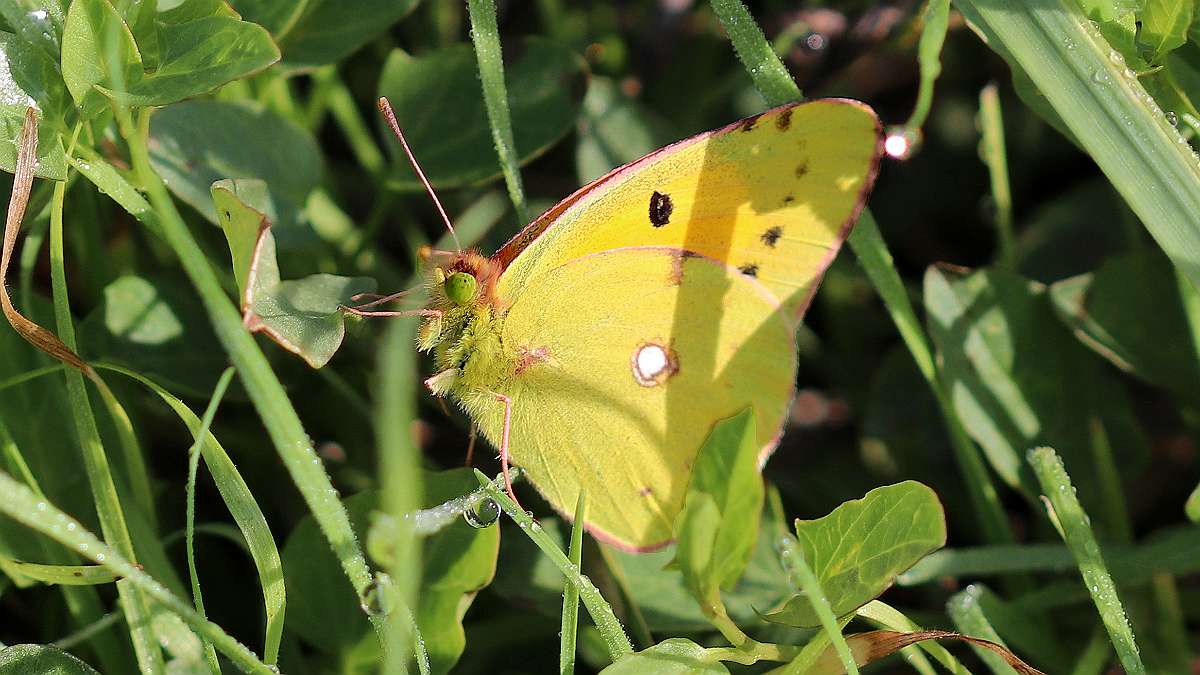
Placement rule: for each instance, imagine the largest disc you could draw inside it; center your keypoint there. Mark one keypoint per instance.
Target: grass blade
(104, 491)
(601, 612)
(1108, 111)
(486, 37)
(805, 580)
(190, 520)
(570, 608)
(244, 509)
(1057, 489)
(22, 505)
(991, 121)
(929, 58)
(773, 82)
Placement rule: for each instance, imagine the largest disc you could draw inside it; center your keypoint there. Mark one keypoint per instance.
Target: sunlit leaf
(857, 550)
(676, 656)
(41, 660)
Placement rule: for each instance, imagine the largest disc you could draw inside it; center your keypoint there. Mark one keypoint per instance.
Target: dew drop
(902, 142)
(374, 599)
(1116, 58)
(1100, 77)
(1172, 118)
(483, 513)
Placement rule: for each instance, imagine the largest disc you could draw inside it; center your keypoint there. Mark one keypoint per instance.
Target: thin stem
(570, 608)
(495, 96)
(276, 411)
(991, 122)
(805, 580)
(601, 612)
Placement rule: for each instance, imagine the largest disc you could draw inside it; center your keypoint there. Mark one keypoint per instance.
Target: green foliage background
(1035, 289)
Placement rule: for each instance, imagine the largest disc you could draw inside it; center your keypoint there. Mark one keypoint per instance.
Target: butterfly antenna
(386, 108)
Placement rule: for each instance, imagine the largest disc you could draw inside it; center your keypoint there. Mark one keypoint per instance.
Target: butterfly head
(460, 288)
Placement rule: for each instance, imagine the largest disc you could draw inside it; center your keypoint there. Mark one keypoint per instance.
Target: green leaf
(96, 47)
(304, 316)
(1129, 311)
(199, 56)
(857, 550)
(1164, 26)
(718, 525)
(437, 102)
(194, 144)
(327, 33)
(277, 16)
(190, 10)
(30, 74)
(40, 660)
(676, 656)
(38, 22)
(1004, 358)
(52, 162)
(663, 597)
(153, 325)
(457, 562)
(614, 129)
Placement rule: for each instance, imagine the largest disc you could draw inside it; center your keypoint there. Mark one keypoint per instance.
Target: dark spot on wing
(660, 209)
(771, 236)
(749, 269)
(784, 120)
(802, 169)
(749, 122)
(789, 199)
(646, 491)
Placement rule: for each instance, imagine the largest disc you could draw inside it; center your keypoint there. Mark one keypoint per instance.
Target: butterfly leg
(374, 299)
(504, 446)
(471, 443)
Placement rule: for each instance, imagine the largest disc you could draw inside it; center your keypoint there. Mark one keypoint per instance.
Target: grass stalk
(100, 479)
(615, 639)
(805, 580)
(776, 85)
(1077, 532)
(1107, 110)
(995, 156)
(570, 608)
(266, 392)
(486, 37)
(193, 454)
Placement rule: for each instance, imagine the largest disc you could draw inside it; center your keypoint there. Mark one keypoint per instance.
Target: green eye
(460, 288)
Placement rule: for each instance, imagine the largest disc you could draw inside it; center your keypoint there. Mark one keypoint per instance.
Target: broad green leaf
(457, 562)
(857, 550)
(199, 56)
(154, 325)
(38, 22)
(1006, 359)
(41, 660)
(718, 525)
(277, 16)
(327, 33)
(96, 48)
(1129, 311)
(1164, 26)
(439, 106)
(52, 161)
(613, 130)
(304, 316)
(196, 143)
(667, 605)
(676, 656)
(191, 10)
(30, 74)
(1117, 21)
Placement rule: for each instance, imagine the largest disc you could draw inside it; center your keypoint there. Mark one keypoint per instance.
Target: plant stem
(601, 612)
(995, 156)
(495, 96)
(269, 398)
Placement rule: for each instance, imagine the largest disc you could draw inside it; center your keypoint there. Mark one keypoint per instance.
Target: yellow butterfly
(598, 347)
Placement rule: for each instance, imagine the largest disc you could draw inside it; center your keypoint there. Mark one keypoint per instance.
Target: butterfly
(597, 348)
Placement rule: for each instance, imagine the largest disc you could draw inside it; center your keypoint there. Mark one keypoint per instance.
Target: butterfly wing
(628, 357)
(772, 195)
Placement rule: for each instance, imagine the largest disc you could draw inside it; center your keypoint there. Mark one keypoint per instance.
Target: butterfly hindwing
(626, 359)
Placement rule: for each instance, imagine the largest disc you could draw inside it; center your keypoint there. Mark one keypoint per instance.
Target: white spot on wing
(653, 364)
